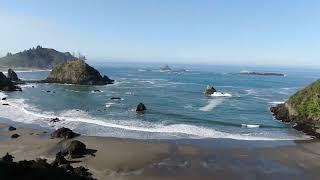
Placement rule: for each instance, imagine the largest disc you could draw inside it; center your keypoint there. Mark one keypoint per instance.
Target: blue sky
(270, 32)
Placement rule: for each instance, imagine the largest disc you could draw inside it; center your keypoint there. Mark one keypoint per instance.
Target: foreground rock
(141, 107)
(40, 169)
(210, 90)
(65, 133)
(75, 149)
(77, 72)
(12, 76)
(15, 136)
(6, 84)
(11, 128)
(302, 110)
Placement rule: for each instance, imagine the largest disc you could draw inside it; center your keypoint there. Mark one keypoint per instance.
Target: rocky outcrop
(74, 149)
(302, 110)
(261, 73)
(12, 76)
(77, 72)
(6, 84)
(210, 90)
(65, 133)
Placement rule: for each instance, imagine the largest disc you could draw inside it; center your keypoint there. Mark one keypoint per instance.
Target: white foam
(22, 112)
(28, 85)
(220, 94)
(109, 104)
(276, 102)
(211, 104)
(250, 125)
(3, 95)
(95, 92)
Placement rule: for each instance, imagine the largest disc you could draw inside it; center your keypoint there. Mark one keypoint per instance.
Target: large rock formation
(302, 110)
(6, 84)
(39, 57)
(77, 72)
(12, 76)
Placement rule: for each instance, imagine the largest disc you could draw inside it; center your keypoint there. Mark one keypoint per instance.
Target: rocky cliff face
(302, 110)
(12, 76)
(77, 72)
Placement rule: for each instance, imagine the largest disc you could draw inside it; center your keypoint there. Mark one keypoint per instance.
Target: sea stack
(6, 84)
(12, 76)
(77, 72)
(210, 90)
(302, 110)
(141, 107)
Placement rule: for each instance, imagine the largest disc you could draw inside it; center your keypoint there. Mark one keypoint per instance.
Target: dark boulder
(74, 149)
(96, 90)
(5, 104)
(55, 120)
(14, 136)
(59, 160)
(65, 133)
(141, 107)
(7, 158)
(11, 128)
(81, 171)
(3, 99)
(115, 98)
(12, 76)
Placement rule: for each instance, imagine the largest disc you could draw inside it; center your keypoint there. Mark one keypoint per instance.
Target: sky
(253, 32)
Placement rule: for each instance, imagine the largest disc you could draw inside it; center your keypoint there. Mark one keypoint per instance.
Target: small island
(302, 110)
(261, 73)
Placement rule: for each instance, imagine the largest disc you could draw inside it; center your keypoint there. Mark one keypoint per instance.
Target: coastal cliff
(302, 110)
(77, 72)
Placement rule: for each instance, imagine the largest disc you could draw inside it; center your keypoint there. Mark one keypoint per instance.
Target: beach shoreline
(117, 158)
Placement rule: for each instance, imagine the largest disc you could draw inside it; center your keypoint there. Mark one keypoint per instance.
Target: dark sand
(212, 159)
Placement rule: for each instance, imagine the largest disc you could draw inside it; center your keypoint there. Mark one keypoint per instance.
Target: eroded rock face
(12, 76)
(77, 72)
(6, 84)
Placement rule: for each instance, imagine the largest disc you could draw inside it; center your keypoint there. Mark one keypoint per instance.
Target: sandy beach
(115, 158)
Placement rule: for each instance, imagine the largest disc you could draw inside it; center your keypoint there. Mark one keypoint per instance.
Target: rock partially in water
(6, 84)
(59, 160)
(210, 90)
(115, 98)
(12, 76)
(3, 99)
(65, 133)
(74, 149)
(11, 128)
(54, 120)
(141, 107)
(77, 72)
(81, 171)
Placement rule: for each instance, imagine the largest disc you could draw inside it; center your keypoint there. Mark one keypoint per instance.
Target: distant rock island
(38, 58)
(261, 73)
(167, 68)
(77, 72)
(302, 110)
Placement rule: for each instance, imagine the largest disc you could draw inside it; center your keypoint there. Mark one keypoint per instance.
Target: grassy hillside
(306, 102)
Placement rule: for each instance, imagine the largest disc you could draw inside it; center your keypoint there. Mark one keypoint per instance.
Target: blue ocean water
(176, 105)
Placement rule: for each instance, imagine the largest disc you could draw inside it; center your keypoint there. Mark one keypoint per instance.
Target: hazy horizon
(219, 32)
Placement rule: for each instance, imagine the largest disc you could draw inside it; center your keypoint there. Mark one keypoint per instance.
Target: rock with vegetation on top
(65, 133)
(302, 110)
(6, 84)
(210, 90)
(77, 72)
(12, 76)
(39, 57)
(74, 149)
(141, 107)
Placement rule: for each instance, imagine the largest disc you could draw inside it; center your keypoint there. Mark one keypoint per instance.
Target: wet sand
(123, 159)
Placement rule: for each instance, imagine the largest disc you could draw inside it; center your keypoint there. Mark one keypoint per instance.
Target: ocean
(176, 105)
